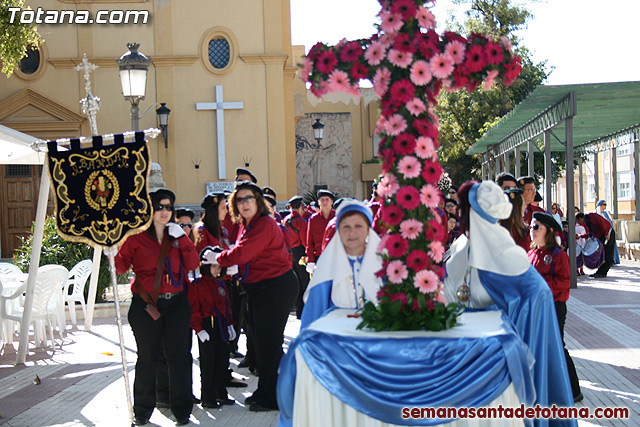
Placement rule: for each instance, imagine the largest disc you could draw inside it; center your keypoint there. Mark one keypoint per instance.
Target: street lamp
(133, 78)
(163, 121)
(318, 131)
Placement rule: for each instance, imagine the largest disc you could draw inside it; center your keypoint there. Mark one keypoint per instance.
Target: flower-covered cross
(409, 63)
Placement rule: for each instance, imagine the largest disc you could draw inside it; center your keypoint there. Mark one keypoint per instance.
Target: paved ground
(82, 384)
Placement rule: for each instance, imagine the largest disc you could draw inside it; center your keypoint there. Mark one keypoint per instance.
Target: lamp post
(318, 131)
(163, 121)
(318, 134)
(133, 78)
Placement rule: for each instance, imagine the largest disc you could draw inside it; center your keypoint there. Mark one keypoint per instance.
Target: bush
(56, 250)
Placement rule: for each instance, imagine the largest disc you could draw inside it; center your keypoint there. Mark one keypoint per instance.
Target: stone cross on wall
(409, 63)
(220, 106)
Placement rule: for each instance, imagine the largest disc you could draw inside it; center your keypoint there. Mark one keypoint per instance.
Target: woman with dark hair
(266, 275)
(553, 265)
(515, 223)
(161, 258)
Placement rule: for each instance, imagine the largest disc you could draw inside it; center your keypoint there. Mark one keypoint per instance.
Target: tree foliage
(15, 38)
(465, 117)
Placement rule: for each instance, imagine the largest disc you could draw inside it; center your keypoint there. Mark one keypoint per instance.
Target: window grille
(219, 53)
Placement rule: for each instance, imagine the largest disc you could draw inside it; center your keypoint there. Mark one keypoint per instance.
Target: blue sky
(587, 41)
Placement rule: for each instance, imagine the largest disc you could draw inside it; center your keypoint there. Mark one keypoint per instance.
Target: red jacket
(329, 232)
(208, 297)
(315, 233)
(524, 242)
(528, 213)
(597, 225)
(297, 229)
(553, 265)
(142, 251)
(260, 252)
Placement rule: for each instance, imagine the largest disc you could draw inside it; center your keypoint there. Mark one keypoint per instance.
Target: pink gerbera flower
(391, 22)
(429, 196)
(506, 43)
(399, 58)
(441, 65)
(396, 125)
(416, 107)
(375, 53)
(338, 81)
(425, 18)
(397, 272)
(455, 50)
(408, 197)
(381, 81)
(436, 250)
(426, 281)
(307, 66)
(405, 143)
(431, 172)
(396, 246)
(491, 77)
(402, 91)
(425, 148)
(420, 73)
(392, 215)
(326, 61)
(388, 185)
(410, 229)
(417, 260)
(409, 167)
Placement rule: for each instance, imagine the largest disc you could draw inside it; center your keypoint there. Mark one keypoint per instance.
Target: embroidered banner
(101, 192)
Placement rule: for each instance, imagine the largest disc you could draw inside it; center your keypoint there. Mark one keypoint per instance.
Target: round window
(218, 50)
(30, 63)
(219, 53)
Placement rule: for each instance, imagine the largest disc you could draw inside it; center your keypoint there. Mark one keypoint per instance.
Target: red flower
(350, 52)
(431, 171)
(437, 229)
(314, 51)
(449, 36)
(408, 197)
(402, 91)
(319, 89)
(359, 71)
(406, 8)
(513, 70)
(438, 270)
(399, 297)
(326, 61)
(476, 59)
(418, 260)
(405, 143)
(392, 215)
(424, 128)
(494, 53)
(427, 49)
(460, 79)
(404, 43)
(396, 245)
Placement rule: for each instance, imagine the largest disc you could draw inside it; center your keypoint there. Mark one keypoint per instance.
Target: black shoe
(236, 383)
(182, 421)
(226, 401)
(578, 398)
(244, 363)
(140, 421)
(211, 405)
(249, 400)
(254, 371)
(235, 354)
(256, 407)
(597, 276)
(195, 399)
(160, 404)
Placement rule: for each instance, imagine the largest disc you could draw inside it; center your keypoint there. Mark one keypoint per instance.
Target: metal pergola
(573, 119)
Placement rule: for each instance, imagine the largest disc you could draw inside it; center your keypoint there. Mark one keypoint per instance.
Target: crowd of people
(243, 268)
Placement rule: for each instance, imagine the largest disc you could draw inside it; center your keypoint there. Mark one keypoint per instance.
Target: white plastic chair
(46, 283)
(55, 306)
(77, 281)
(8, 268)
(7, 326)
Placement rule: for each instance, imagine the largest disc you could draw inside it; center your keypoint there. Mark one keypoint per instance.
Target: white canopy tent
(20, 148)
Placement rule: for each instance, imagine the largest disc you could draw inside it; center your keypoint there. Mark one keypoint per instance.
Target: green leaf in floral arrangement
(395, 307)
(451, 320)
(432, 324)
(422, 303)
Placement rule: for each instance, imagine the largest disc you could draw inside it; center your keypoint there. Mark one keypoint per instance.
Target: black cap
(525, 180)
(243, 171)
(270, 199)
(248, 185)
(513, 192)
(295, 198)
(269, 191)
(162, 193)
(547, 220)
(185, 212)
(446, 200)
(454, 188)
(323, 192)
(337, 202)
(505, 176)
(538, 197)
(212, 199)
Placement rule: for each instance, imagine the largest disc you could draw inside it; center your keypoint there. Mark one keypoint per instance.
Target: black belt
(168, 295)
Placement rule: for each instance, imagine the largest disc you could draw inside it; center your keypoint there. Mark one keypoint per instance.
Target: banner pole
(125, 369)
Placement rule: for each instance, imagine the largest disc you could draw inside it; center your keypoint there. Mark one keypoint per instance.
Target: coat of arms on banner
(101, 192)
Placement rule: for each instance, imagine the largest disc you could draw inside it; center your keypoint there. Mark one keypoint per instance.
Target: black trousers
(561, 314)
(609, 250)
(270, 302)
(303, 277)
(173, 332)
(236, 296)
(214, 363)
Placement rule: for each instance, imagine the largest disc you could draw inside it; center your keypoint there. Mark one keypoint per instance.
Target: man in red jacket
(297, 226)
(599, 227)
(528, 186)
(317, 223)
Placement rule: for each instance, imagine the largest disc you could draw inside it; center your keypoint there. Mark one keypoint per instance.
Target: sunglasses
(185, 225)
(160, 206)
(243, 200)
(449, 206)
(536, 227)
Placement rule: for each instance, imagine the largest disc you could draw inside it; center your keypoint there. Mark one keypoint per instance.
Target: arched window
(219, 50)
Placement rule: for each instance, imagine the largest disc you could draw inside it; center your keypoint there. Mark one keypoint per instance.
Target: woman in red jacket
(171, 331)
(553, 265)
(267, 277)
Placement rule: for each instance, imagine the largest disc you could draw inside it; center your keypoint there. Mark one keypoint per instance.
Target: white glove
(232, 333)
(311, 266)
(210, 258)
(110, 250)
(175, 230)
(203, 336)
(232, 270)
